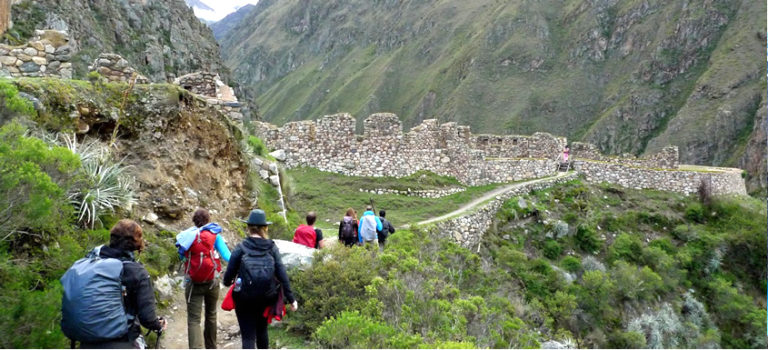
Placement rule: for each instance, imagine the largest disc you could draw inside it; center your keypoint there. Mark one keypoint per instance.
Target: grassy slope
(331, 194)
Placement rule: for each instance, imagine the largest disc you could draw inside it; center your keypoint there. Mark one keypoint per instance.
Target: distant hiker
(386, 229)
(202, 266)
(108, 294)
(308, 235)
(257, 263)
(369, 225)
(348, 228)
(566, 153)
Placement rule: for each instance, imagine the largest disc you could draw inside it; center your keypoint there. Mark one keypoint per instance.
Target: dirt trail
(471, 205)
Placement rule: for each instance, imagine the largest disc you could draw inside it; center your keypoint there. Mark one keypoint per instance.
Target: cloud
(218, 9)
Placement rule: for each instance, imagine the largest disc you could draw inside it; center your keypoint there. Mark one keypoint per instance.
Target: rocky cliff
(161, 38)
(628, 75)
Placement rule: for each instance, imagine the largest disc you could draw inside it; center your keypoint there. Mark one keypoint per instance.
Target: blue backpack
(92, 306)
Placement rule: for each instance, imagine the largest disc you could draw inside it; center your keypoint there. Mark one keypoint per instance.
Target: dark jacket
(140, 296)
(386, 228)
(252, 244)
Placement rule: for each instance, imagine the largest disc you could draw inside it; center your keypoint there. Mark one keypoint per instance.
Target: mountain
(161, 38)
(628, 75)
(214, 11)
(222, 28)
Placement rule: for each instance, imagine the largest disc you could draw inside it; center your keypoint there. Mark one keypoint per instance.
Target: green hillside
(630, 76)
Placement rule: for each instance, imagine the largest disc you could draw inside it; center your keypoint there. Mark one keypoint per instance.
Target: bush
(11, 104)
(626, 247)
(571, 264)
(350, 329)
(33, 180)
(695, 212)
(586, 239)
(552, 249)
(334, 283)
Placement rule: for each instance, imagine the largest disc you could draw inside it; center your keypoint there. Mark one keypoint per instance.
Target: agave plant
(104, 185)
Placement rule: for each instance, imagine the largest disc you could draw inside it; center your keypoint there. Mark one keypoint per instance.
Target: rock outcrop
(162, 38)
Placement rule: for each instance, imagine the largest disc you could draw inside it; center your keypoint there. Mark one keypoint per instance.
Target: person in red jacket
(308, 235)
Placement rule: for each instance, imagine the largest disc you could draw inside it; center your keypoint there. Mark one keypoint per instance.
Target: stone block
(39, 60)
(8, 60)
(37, 45)
(24, 57)
(49, 48)
(274, 180)
(30, 51)
(54, 65)
(29, 67)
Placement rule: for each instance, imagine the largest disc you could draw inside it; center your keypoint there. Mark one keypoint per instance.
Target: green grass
(331, 194)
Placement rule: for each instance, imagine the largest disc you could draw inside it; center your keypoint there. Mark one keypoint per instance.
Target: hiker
(386, 229)
(348, 228)
(566, 153)
(202, 266)
(369, 225)
(308, 235)
(107, 294)
(257, 293)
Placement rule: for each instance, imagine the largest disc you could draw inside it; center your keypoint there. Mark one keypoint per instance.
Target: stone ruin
(115, 68)
(210, 86)
(331, 144)
(46, 55)
(383, 149)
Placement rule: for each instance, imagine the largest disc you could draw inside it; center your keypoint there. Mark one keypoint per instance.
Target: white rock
(274, 180)
(293, 254)
(264, 174)
(279, 155)
(151, 217)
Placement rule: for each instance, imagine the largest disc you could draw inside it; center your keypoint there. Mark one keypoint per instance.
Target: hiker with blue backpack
(369, 225)
(108, 295)
(261, 282)
(202, 247)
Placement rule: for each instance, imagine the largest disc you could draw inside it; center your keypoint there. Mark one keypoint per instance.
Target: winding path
(479, 201)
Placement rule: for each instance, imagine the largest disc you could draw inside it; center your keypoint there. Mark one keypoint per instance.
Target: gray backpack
(92, 306)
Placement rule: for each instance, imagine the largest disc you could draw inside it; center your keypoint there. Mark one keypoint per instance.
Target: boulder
(264, 174)
(279, 155)
(274, 180)
(294, 254)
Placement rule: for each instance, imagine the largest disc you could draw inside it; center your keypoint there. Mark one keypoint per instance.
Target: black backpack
(257, 271)
(347, 230)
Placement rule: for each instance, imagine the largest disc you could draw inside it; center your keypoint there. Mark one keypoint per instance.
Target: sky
(221, 8)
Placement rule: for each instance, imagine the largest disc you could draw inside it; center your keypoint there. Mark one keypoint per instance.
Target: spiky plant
(104, 186)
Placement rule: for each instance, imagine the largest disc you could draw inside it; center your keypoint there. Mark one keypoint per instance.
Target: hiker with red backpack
(107, 295)
(260, 281)
(202, 266)
(308, 235)
(348, 228)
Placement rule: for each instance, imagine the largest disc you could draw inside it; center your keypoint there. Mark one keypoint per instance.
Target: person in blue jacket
(369, 225)
(206, 292)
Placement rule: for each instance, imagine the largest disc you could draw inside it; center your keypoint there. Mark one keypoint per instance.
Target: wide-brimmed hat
(257, 218)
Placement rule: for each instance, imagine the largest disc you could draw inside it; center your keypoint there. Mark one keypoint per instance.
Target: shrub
(571, 264)
(586, 239)
(552, 249)
(11, 104)
(104, 185)
(350, 329)
(334, 283)
(626, 247)
(695, 212)
(33, 180)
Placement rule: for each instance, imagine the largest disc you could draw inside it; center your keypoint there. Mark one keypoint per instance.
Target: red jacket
(305, 235)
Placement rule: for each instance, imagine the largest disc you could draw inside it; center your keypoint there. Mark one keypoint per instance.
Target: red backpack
(305, 235)
(203, 263)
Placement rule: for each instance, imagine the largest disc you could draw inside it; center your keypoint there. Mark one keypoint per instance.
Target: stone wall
(667, 158)
(330, 144)
(207, 84)
(115, 68)
(468, 230)
(723, 180)
(46, 55)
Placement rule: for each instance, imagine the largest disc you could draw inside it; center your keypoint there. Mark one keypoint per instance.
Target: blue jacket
(360, 225)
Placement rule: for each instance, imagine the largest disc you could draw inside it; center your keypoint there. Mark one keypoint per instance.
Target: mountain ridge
(629, 76)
